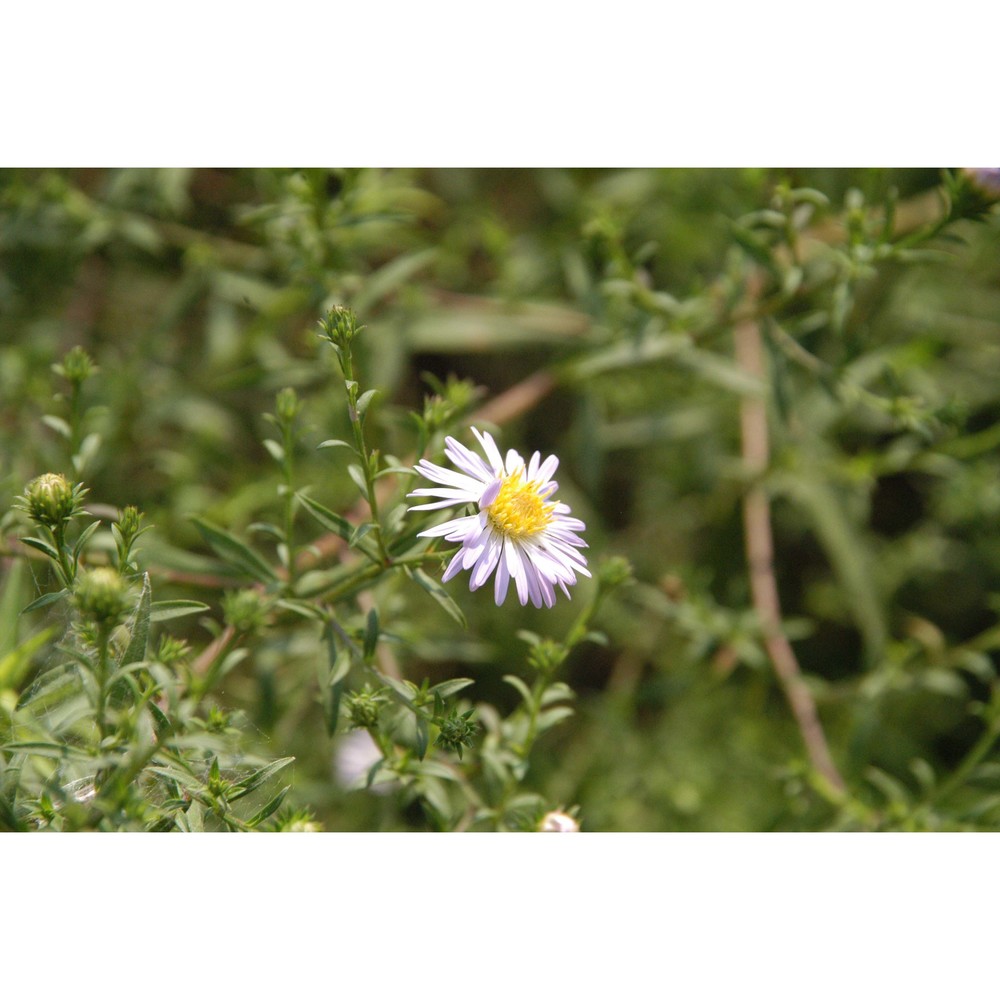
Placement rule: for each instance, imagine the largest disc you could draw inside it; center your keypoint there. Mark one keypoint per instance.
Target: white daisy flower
(518, 531)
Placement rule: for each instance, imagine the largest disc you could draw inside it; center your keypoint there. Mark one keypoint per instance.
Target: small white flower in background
(558, 822)
(354, 755)
(518, 530)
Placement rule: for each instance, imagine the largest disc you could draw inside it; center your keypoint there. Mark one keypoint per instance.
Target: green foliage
(216, 611)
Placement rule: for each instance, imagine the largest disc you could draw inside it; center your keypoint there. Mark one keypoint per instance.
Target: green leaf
(302, 608)
(58, 425)
(253, 781)
(439, 594)
(56, 681)
(404, 690)
(275, 450)
(139, 626)
(552, 716)
(14, 588)
(371, 633)
(162, 611)
(45, 600)
(423, 731)
(522, 688)
(447, 689)
(333, 522)
(42, 546)
(235, 552)
(16, 664)
(364, 401)
(268, 809)
(84, 538)
(336, 443)
(358, 475)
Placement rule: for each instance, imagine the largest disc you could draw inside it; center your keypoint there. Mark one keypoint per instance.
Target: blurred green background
(609, 295)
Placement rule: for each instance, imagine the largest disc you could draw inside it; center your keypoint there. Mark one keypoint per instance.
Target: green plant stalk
(980, 750)
(103, 635)
(65, 565)
(75, 419)
(288, 441)
(347, 365)
(367, 574)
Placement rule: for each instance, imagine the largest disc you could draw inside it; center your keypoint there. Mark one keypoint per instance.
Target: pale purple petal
(492, 451)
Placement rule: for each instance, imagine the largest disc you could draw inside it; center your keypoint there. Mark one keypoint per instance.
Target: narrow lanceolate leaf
(423, 736)
(440, 595)
(336, 443)
(364, 401)
(139, 626)
(339, 525)
(42, 546)
(84, 538)
(522, 688)
(161, 611)
(372, 629)
(448, 689)
(235, 552)
(255, 780)
(45, 600)
(15, 665)
(334, 522)
(271, 807)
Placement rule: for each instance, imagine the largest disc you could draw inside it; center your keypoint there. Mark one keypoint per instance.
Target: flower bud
(129, 522)
(287, 405)
(614, 572)
(363, 708)
(77, 366)
(101, 594)
(50, 500)
(245, 610)
(456, 731)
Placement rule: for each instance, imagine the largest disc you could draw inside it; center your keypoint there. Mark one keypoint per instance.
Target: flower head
(518, 530)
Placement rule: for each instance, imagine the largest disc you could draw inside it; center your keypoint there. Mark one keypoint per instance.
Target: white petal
(486, 563)
(447, 476)
(490, 494)
(453, 567)
(438, 491)
(438, 505)
(548, 469)
(503, 578)
(460, 526)
(492, 451)
(467, 461)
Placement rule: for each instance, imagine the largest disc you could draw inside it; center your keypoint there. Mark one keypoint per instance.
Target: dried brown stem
(760, 557)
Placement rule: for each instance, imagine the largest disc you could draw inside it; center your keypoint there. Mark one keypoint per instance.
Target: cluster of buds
(340, 327)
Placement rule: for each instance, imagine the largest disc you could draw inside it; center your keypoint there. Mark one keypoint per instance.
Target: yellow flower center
(518, 511)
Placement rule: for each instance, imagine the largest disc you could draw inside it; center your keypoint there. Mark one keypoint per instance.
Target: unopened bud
(50, 500)
(101, 594)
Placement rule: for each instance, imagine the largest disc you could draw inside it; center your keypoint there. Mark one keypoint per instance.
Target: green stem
(976, 755)
(347, 364)
(289, 443)
(103, 634)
